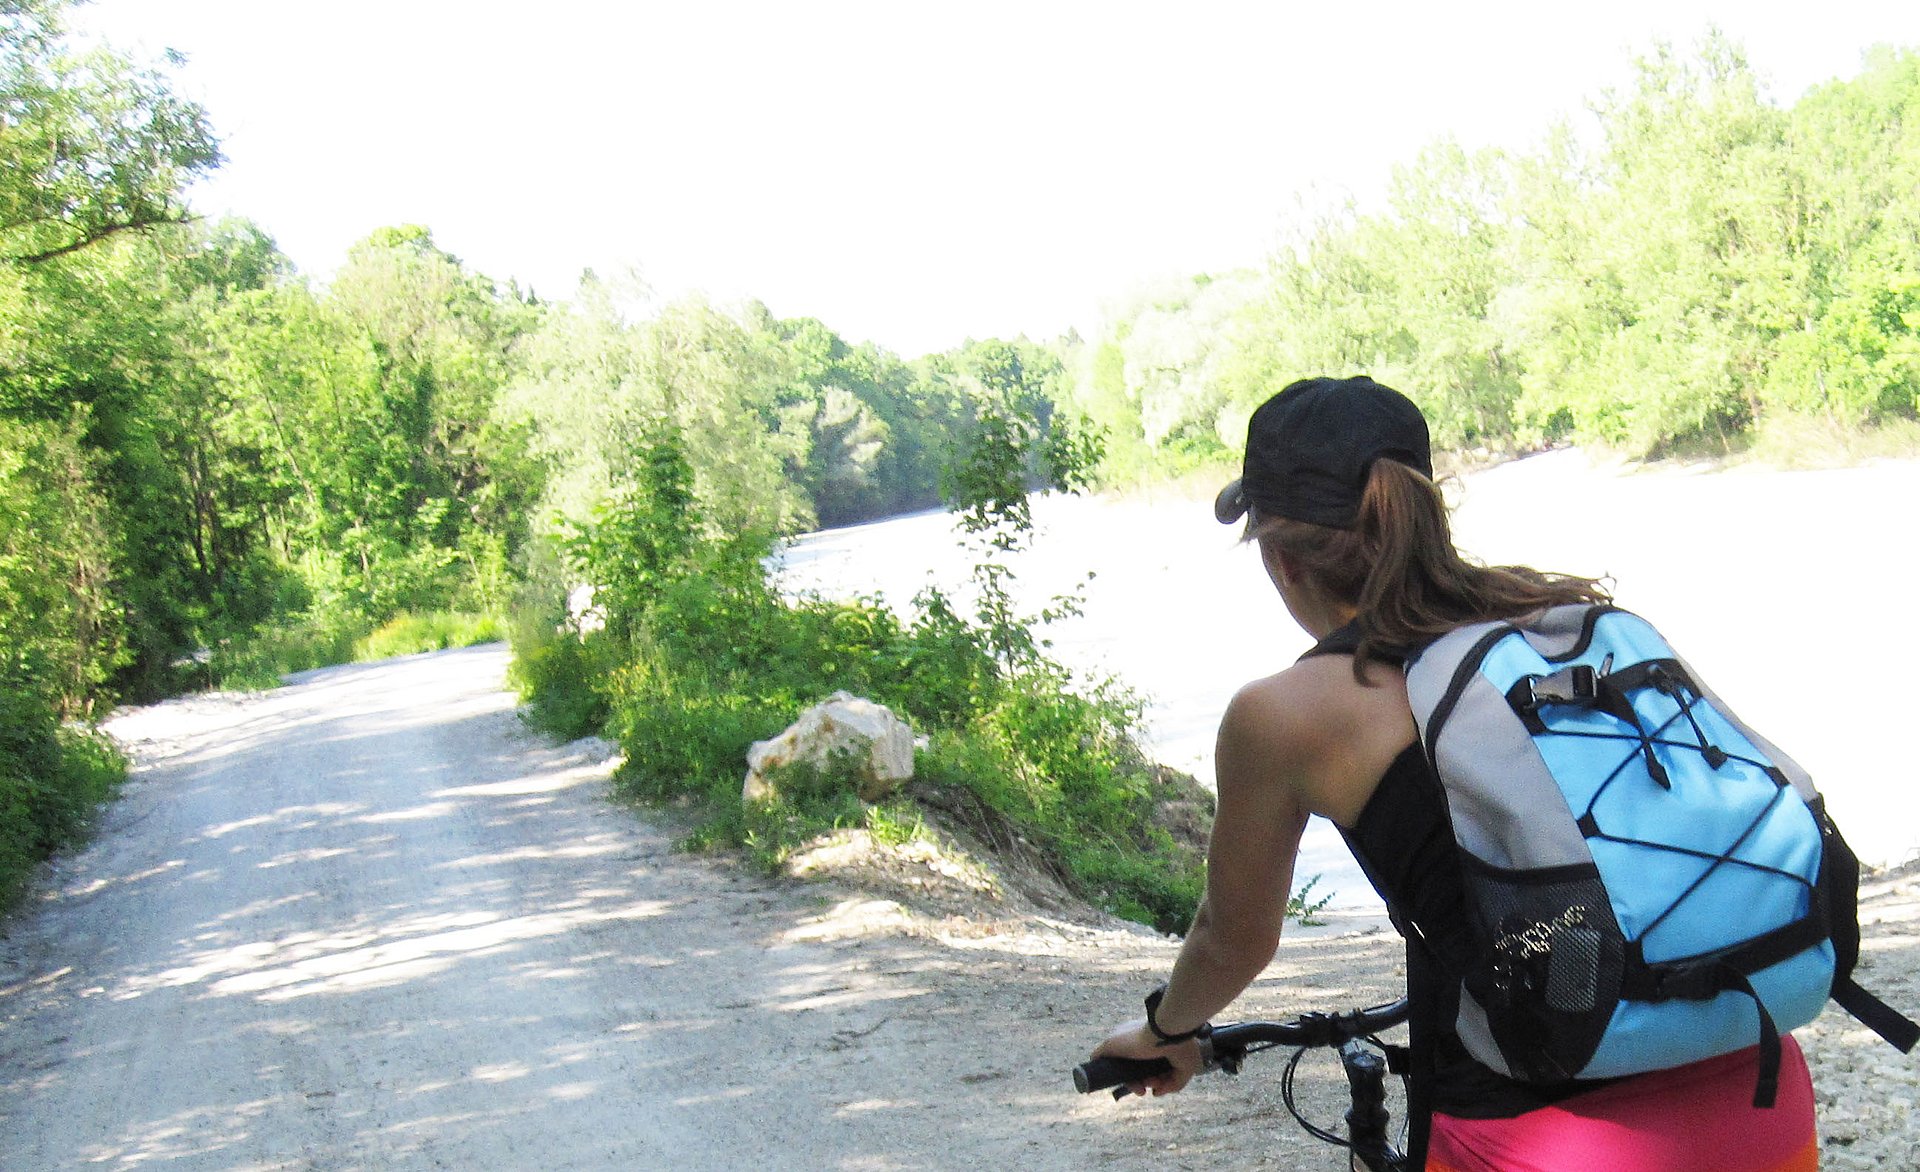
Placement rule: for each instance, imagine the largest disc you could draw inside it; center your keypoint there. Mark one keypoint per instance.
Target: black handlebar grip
(1100, 1073)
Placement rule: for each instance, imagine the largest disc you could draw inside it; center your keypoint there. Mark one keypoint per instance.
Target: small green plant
(807, 800)
(1304, 910)
(770, 829)
(896, 825)
(1017, 442)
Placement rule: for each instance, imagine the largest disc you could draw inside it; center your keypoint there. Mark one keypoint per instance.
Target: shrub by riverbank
(1020, 754)
(687, 654)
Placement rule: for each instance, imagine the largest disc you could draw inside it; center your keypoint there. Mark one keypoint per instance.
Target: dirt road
(367, 922)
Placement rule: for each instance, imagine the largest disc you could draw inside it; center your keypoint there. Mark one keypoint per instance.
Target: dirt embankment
(368, 922)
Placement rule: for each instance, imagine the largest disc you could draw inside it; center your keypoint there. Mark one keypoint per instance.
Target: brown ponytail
(1400, 570)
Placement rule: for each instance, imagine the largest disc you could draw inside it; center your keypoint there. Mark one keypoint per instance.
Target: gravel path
(367, 922)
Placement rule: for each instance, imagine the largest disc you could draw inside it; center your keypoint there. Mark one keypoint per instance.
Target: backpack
(1649, 882)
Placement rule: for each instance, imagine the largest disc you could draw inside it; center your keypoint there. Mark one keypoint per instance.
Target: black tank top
(1404, 844)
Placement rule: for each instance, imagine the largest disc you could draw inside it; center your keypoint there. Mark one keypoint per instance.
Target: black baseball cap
(1310, 448)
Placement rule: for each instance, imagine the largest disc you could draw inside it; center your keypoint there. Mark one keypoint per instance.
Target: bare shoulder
(1315, 698)
(1318, 730)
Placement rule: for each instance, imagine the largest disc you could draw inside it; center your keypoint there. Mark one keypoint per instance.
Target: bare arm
(1265, 742)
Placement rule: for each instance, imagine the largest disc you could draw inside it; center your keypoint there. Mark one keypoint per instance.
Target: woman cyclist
(1337, 493)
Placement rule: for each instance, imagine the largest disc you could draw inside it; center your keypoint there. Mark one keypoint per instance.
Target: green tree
(713, 376)
(1662, 308)
(91, 144)
(59, 643)
(1851, 351)
(1158, 378)
(97, 331)
(1016, 443)
(438, 478)
(60, 628)
(1451, 226)
(606, 371)
(1330, 306)
(867, 429)
(645, 535)
(95, 152)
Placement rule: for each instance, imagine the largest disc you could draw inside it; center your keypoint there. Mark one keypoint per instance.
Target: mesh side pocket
(1548, 960)
(1573, 971)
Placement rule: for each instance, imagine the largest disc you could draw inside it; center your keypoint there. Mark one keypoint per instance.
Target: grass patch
(259, 659)
(438, 630)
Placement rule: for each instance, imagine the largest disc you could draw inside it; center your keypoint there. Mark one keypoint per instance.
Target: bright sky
(912, 173)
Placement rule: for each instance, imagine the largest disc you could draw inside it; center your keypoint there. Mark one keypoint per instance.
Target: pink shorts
(1697, 1118)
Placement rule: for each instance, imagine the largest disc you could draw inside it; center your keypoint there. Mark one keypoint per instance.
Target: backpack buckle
(1676, 982)
(1578, 685)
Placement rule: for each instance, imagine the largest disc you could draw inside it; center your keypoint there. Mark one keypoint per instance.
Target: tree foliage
(92, 144)
(1696, 261)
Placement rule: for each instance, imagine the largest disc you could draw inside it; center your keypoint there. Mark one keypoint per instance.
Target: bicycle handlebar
(1225, 1046)
(1097, 1074)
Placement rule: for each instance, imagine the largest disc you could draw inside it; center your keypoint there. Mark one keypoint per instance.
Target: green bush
(1053, 766)
(557, 674)
(685, 739)
(52, 779)
(708, 670)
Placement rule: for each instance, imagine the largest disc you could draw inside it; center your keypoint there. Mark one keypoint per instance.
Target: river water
(1780, 587)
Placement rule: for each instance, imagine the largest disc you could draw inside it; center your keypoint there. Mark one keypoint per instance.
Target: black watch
(1167, 1039)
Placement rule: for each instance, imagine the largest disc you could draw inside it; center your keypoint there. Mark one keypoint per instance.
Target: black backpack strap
(1424, 1025)
(1701, 981)
(1839, 898)
(1898, 1029)
(1729, 972)
(1839, 891)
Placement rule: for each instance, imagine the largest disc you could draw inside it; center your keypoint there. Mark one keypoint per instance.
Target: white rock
(584, 614)
(880, 743)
